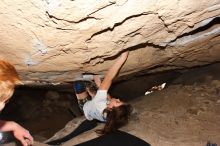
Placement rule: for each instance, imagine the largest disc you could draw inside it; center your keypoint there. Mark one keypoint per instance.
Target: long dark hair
(116, 118)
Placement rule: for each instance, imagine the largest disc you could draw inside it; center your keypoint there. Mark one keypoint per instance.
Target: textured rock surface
(52, 40)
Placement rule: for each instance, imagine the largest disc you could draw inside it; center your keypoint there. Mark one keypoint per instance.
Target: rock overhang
(55, 40)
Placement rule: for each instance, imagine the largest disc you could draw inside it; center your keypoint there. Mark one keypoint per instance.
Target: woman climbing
(96, 104)
(102, 106)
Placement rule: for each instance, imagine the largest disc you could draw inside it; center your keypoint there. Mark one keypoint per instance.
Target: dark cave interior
(46, 109)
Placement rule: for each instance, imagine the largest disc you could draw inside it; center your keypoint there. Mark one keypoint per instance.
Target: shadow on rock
(118, 138)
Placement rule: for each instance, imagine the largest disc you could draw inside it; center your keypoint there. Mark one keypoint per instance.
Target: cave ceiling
(55, 40)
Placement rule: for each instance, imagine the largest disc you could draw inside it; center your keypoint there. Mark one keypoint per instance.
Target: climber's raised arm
(112, 72)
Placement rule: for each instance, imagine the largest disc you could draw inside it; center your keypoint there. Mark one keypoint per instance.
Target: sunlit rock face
(53, 40)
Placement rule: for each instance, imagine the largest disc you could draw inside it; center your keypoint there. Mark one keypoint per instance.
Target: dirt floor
(179, 115)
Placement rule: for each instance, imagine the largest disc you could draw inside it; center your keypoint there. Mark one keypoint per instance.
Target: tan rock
(53, 40)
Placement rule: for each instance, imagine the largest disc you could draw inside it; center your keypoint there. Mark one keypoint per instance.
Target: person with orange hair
(8, 80)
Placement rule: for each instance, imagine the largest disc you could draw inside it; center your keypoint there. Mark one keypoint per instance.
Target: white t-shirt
(93, 109)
